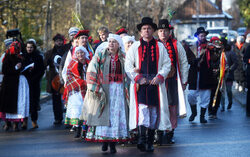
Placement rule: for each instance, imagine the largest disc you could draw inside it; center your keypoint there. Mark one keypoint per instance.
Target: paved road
(228, 136)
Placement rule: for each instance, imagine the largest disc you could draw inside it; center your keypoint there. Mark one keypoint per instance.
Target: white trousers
(203, 95)
(147, 116)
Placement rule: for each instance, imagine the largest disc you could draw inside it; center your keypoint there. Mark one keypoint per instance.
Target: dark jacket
(49, 61)
(246, 60)
(204, 70)
(34, 76)
(9, 90)
(239, 74)
(232, 64)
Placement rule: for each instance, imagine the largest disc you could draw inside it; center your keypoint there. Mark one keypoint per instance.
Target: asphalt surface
(227, 136)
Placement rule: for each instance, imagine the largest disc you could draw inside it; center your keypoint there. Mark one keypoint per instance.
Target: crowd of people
(120, 90)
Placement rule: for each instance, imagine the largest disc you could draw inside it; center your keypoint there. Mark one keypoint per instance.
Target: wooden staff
(222, 73)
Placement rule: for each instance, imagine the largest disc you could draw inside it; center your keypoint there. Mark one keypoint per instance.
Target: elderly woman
(14, 94)
(105, 107)
(76, 88)
(127, 42)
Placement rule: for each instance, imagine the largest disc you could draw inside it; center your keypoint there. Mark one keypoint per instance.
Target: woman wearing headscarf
(14, 94)
(76, 87)
(106, 104)
(127, 42)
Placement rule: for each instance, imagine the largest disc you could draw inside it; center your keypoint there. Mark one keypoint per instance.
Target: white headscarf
(32, 40)
(118, 39)
(83, 49)
(128, 38)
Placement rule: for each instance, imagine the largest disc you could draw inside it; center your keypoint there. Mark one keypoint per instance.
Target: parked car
(241, 31)
(232, 36)
(190, 40)
(216, 31)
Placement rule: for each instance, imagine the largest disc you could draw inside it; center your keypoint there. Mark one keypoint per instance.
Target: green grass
(43, 84)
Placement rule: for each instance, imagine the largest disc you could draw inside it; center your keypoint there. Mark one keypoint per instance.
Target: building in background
(209, 15)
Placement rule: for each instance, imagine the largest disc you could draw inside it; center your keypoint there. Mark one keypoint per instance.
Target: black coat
(34, 76)
(239, 74)
(247, 61)
(9, 90)
(232, 64)
(205, 72)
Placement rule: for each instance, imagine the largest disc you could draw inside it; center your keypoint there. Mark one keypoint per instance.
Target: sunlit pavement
(229, 135)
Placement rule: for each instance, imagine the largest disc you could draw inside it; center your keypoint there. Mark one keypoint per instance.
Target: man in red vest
(179, 70)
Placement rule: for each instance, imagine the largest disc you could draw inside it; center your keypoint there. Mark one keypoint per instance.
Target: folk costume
(199, 77)
(215, 62)
(148, 103)
(179, 68)
(106, 102)
(75, 90)
(14, 95)
(88, 47)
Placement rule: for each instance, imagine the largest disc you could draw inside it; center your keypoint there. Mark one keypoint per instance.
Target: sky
(226, 4)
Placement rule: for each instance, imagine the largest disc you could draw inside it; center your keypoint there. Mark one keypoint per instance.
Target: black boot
(194, 113)
(105, 146)
(159, 137)
(78, 132)
(170, 136)
(229, 106)
(141, 145)
(112, 147)
(150, 140)
(202, 116)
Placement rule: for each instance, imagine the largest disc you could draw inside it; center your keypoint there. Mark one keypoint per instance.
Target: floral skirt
(118, 129)
(23, 102)
(74, 109)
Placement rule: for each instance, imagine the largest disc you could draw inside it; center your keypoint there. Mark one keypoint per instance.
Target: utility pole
(48, 26)
(197, 13)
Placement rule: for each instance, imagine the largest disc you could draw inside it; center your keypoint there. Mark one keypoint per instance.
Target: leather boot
(150, 140)
(170, 136)
(202, 116)
(105, 146)
(141, 145)
(112, 147)
(34, 125)
(159, 137)
(24, 125)
(78, 132)
(194, 113)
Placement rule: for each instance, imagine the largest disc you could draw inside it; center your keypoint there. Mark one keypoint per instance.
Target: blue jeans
(229, 85)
